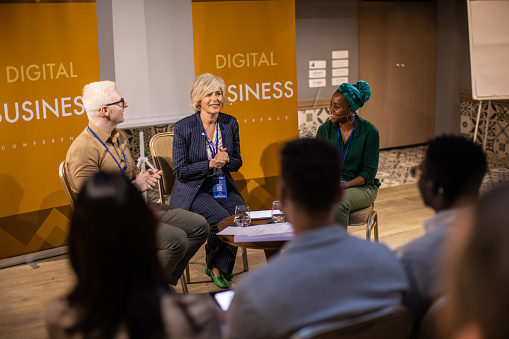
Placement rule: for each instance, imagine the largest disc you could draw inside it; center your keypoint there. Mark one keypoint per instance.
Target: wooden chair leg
(375, 225)
(188, 275)
(244, 259)
(184, 284)
(372, 226)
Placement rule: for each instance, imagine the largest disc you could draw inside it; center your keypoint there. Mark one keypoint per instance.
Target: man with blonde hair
(103, 148)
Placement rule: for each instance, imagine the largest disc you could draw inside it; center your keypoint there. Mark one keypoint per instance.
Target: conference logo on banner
(49, 52)
(251, 45)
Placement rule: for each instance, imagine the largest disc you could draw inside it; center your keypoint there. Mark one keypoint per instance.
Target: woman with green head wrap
(358, 142)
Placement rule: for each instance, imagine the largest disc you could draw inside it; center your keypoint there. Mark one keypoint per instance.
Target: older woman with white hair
(206, 148)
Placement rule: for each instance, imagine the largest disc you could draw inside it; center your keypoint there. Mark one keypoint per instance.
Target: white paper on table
(284, 227)
(263, 214)
(233, 230)
(269, 232)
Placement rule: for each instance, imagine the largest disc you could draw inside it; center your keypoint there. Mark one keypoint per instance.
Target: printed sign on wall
(252, 47)
(49, 52)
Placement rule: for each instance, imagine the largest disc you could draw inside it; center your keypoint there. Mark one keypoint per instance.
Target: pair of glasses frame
(121, 101)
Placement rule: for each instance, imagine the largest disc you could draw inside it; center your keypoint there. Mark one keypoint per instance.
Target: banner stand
(41, 113)
(31, 257)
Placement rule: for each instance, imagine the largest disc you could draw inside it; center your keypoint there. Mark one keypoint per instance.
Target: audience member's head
(479, 272)
(452, 170)
(203, 85)
(310, 176)
(112, 250)
(97, 94)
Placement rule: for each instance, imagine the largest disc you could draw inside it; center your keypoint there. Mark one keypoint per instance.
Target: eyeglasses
(121, 101)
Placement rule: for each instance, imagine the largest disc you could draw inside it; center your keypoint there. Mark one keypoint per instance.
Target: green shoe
(228, 276)
(219, 281)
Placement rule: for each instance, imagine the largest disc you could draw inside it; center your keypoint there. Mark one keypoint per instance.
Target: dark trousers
(218, 253)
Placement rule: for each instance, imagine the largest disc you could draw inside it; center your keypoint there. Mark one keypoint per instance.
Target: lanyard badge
(348, 146)
(219, 189)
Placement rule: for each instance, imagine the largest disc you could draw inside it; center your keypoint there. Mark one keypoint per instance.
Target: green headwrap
(357, 94)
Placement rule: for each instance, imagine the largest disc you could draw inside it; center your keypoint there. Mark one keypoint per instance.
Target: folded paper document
(263, 214)
(268, 232)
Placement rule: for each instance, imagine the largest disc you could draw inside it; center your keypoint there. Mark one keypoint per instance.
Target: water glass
(242, 215)
(277, 213)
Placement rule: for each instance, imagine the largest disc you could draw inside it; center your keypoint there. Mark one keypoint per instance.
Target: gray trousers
(354, 198)
(179, 236)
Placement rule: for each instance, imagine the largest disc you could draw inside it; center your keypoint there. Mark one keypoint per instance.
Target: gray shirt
(423, 259)
(321, 274)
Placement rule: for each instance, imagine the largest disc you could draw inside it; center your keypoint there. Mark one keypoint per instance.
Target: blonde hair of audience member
(203, 85)
(478, 274)
(95, 95)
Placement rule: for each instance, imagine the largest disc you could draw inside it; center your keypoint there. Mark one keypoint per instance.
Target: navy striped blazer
(190, 162)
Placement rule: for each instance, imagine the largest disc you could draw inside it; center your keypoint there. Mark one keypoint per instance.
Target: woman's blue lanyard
(349, 139)
(212, 142)
(125, 161)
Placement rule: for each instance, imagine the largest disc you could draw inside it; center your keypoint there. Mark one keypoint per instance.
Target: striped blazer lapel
(226, 133)
(199, 141)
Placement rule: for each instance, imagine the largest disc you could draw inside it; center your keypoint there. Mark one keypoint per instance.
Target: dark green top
(362, 157)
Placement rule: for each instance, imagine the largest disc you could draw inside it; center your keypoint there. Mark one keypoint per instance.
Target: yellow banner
(251, 45)
(49, 51)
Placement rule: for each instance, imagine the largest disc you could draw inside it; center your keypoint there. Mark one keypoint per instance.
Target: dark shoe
(228, 276)
(219, 281)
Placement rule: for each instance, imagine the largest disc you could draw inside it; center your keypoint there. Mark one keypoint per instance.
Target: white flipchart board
(489, 53)
(488, 22)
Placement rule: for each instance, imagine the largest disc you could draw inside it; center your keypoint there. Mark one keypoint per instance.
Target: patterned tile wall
(497, 138)
(133, 134)
(310, 119)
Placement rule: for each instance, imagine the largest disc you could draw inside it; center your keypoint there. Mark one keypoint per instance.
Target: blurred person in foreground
(120, 291)
(450, 177)
(478, 272)
(323, 273)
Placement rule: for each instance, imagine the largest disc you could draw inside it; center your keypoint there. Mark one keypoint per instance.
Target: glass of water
(242, 215)
(277, 213)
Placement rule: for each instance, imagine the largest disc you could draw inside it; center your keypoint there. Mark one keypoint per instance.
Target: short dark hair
(311, 171)
(457, 165)
(112, 248)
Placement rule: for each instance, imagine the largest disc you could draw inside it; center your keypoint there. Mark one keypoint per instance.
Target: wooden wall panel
(397, 56)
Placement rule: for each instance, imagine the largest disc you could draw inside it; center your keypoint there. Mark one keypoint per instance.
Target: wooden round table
(269, 247)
